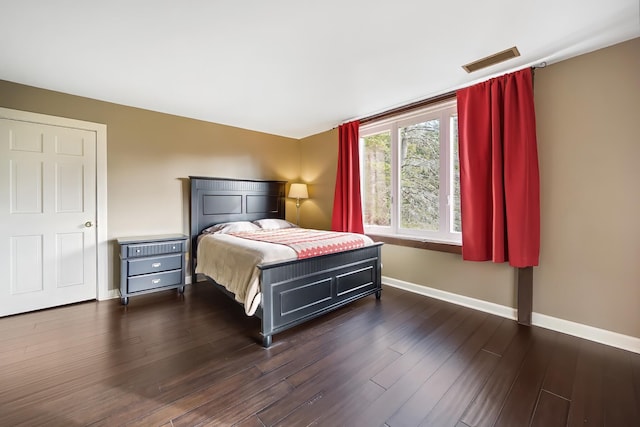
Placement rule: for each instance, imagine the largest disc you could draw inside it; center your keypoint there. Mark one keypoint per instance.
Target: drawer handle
(156, 264)
(155, 281)
(138, 251)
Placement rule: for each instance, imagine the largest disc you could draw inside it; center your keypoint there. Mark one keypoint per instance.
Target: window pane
(419, 175)
(457, 219)
(376, 173)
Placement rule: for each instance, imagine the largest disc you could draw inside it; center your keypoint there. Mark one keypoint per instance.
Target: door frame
(102, 267)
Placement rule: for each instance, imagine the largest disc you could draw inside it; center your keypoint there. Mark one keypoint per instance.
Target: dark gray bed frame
(292, 291)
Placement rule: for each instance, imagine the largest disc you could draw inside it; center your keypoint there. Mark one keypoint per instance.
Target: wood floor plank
(619, 396)
(250, 421)
(445, 341)
(232, 414)
(219, 398)
(587, 400)
(520, 404)
(419, 325)
(551, 411)
(418, 406)
(231, 365)
(147, 394)
(394, 329)
(315, 388)
(180, 386)
(72, 365)
(312, 388)
(560, 374)
(406, 359)
(186, 394)
(486, 407)
(312, 381)
(178, 407)
(99, 399)
(443, 322)
(355, 402)
(334, 396)
(635, 364)
(40, 380)
(457, 398)
(500, 341)
(356, 327)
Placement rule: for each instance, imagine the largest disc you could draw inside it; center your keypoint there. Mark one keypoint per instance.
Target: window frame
(444, 111)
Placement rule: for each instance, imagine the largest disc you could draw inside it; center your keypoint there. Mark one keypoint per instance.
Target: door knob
(88, 224)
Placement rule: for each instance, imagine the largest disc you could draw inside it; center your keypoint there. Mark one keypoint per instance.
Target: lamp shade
(298, 191)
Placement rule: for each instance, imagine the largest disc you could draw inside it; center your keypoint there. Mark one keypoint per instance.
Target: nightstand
(151, 263)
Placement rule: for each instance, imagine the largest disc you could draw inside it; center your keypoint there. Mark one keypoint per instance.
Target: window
(411, 175)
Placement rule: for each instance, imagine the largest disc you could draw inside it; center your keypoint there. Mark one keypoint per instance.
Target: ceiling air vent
(491, 60)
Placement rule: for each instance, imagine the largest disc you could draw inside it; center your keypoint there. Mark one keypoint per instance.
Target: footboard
(296, 291)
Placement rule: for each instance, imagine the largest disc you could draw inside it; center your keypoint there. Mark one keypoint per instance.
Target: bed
(294, 291)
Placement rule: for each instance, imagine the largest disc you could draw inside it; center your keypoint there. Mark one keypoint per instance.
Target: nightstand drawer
(154, 265)
(151, 263)
(152, 281)
(150, 249)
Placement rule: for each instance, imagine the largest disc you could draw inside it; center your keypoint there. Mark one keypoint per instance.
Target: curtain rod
(409, 107)
(421, 103)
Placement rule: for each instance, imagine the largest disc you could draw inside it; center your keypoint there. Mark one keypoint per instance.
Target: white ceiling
(288, 67)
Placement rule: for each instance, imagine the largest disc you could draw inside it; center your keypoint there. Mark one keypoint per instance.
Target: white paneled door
(48, 251)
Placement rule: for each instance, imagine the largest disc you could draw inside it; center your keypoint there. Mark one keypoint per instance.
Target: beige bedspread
(232, 262)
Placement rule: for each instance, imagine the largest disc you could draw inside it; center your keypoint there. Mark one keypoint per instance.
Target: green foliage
(377, 179)
(419, 175)
(457, 219)
(419, 158)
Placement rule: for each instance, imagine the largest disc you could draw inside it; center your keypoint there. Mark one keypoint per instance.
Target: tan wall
(588, 111)
(318, 166)
(588, 114)
(150, 156)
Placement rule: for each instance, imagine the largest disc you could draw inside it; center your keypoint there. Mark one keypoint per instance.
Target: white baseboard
(111, 294)
(487, 307)
(580, 330)
(603, 336)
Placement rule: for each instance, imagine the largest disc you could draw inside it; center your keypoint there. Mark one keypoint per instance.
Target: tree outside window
(410, 175)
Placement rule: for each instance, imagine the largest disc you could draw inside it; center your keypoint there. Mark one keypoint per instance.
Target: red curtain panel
(499, 178)
(347, 204)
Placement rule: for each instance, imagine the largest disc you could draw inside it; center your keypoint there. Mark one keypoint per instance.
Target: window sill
(419, 244)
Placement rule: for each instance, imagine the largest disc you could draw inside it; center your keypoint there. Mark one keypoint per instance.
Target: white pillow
(231, 227)
(273, 224)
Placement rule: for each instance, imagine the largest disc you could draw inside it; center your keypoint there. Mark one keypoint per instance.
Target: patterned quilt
(307, 243)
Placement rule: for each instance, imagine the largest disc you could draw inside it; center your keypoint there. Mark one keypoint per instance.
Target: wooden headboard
(216, 200)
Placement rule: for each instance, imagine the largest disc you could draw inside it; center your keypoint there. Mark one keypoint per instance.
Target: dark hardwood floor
(407, 360)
